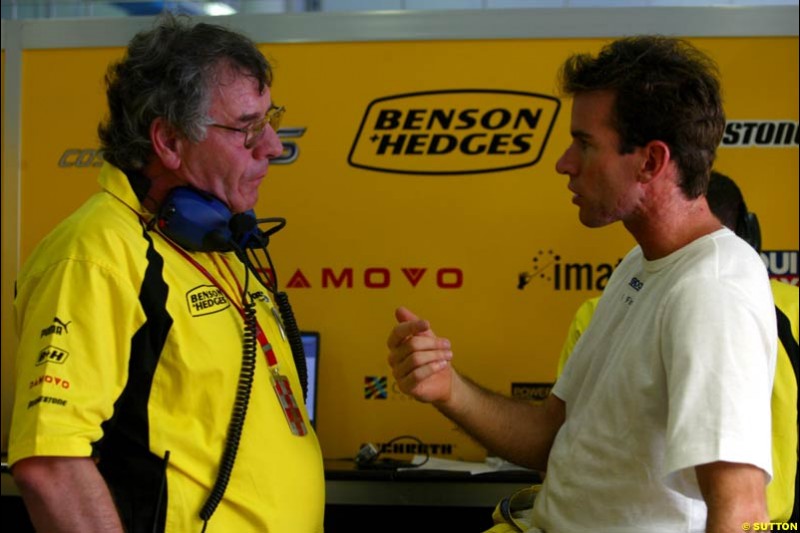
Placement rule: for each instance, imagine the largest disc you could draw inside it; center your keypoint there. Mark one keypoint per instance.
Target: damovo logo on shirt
(463, 131)
(205, 300)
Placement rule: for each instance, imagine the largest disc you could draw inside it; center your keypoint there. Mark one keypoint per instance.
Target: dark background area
(338, 518)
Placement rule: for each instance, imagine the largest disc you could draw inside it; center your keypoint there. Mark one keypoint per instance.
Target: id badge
(289, 405)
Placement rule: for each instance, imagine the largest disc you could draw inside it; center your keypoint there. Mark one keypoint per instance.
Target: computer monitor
(311, 348)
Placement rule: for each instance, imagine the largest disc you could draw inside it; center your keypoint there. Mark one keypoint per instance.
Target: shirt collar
(129, 188)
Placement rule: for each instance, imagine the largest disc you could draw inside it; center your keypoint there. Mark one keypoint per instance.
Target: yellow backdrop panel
(414, 176)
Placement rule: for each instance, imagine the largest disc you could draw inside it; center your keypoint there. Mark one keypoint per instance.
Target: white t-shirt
(674, 371)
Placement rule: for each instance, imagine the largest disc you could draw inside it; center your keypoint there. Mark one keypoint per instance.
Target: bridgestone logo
(47, 399)
(467, 131)
(761, 133)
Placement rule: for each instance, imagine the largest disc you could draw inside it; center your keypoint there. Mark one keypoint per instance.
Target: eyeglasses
(254, 132)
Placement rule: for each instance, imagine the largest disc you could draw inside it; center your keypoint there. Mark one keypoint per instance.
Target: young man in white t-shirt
(660, 422)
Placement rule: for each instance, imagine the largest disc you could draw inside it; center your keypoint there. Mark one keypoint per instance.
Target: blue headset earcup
(195, 220)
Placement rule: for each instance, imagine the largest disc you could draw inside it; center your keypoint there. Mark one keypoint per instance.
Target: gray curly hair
(168, 72)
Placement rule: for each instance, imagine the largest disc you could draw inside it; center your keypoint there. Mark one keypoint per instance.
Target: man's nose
(565, 165)
(270, 145)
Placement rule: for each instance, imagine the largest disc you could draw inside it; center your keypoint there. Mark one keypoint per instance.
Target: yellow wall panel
(452, 247)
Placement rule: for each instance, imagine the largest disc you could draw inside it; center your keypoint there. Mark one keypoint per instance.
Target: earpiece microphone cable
(243, 390)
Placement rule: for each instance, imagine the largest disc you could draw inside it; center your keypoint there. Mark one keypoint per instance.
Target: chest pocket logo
(205, 300)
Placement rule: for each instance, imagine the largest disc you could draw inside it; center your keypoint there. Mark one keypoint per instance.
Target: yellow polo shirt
(128, 353)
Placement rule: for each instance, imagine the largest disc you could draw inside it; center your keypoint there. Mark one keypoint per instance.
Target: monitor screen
(311, 349)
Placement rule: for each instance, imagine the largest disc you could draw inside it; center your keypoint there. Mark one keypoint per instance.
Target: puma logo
(56, 327)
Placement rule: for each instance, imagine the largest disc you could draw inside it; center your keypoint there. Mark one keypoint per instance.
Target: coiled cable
(295, 340)
(245, 386)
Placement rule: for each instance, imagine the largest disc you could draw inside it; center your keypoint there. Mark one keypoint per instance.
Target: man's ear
(166, 143)
(657, 157)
